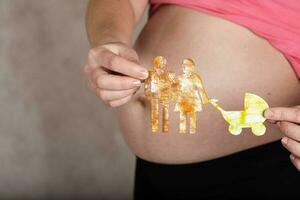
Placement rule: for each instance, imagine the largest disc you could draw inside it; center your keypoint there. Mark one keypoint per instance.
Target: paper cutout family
(163, 86)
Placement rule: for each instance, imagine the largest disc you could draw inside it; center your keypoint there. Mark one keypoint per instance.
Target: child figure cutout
(159, 89)
(191, 96)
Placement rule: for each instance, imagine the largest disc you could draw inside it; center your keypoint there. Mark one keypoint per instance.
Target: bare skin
(231, 60)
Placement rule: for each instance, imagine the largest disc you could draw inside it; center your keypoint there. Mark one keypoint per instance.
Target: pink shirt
(278, 21)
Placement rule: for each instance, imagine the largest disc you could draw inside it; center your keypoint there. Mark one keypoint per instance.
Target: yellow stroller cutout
(251, 117)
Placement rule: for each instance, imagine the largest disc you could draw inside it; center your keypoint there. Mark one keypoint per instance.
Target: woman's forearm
(112, 69)
(109, 21)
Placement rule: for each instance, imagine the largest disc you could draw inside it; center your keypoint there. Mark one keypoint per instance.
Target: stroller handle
(214, 103)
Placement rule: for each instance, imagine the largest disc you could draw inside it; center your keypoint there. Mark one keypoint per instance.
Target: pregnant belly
(231, 61)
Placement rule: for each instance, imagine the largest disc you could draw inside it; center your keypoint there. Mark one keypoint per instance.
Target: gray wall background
(56, 139)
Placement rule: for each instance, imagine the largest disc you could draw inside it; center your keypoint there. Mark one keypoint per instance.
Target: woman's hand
(288, 120)
(113, 73)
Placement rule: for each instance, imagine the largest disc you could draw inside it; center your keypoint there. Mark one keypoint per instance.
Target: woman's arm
(112, 67)
(113, 20)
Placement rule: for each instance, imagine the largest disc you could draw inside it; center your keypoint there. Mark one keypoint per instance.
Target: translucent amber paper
(160, 88)
(251, 117)
(190, 96)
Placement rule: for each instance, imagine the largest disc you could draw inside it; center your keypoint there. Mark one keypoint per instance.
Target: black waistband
(248, 171)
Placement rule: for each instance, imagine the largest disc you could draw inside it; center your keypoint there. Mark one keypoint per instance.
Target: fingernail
(284, 141)
(292, 157)
(144, 74)
(268, 113)
(136, 83)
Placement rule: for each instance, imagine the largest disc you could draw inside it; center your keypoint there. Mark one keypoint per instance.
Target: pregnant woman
(238, 47)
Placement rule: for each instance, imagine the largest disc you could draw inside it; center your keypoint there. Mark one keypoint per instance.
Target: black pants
(264, 171)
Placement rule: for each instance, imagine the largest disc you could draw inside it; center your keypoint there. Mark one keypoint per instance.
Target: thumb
(123, 50)
(130, 54)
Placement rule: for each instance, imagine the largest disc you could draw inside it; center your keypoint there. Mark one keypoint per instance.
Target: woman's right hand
(114, 73)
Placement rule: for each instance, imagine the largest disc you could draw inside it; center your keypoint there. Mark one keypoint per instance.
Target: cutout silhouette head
(188, 66)
(159, 63)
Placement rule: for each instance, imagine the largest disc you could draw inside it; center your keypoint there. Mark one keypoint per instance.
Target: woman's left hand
(288, 120)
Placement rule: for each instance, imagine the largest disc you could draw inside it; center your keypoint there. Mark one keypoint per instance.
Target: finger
(95, 74)
(123, 51)
(118, 64)
(114, 82)
(123, 66)
(111, 95)
(296, 161)
(271, 121)
(120, 102)
(291, 130)
(91, 86)
(87, 70)
(291, 145)
(291, 114)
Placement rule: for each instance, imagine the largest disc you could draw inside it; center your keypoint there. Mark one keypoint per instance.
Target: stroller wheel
(234, 130)
(258, 129)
